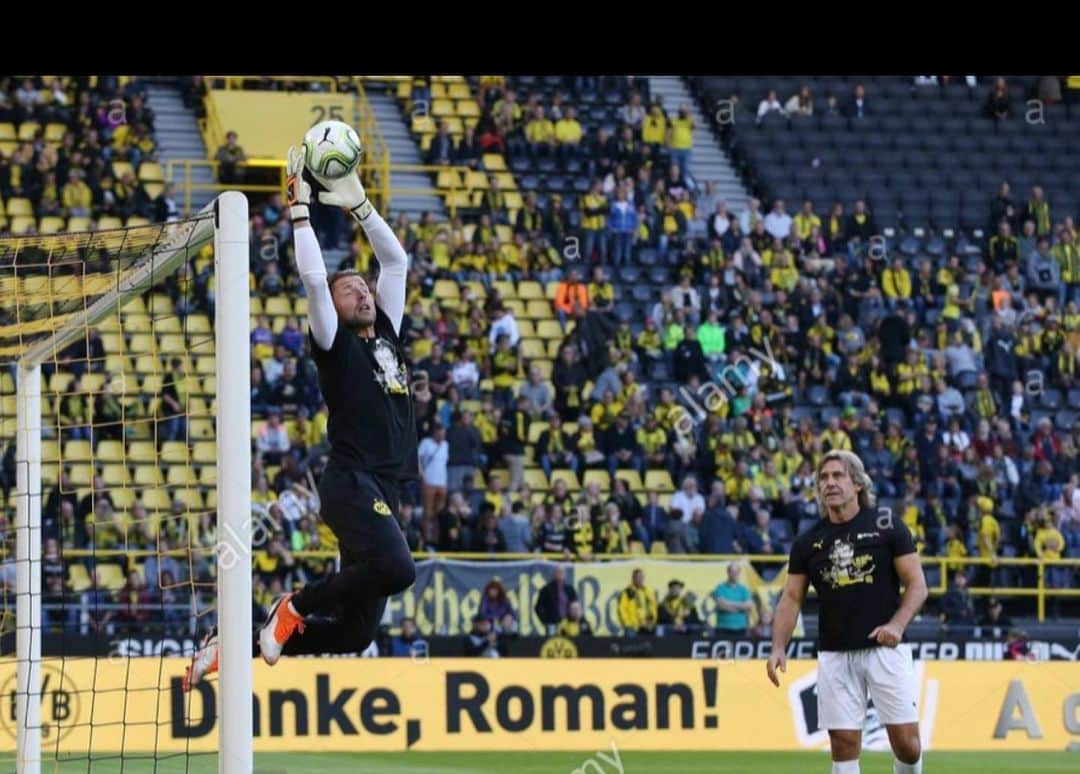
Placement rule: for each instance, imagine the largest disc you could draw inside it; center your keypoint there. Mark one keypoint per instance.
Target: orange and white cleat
(204, 662)
(279, 627)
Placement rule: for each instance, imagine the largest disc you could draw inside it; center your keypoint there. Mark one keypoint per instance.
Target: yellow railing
(179, 172)
(946, 564)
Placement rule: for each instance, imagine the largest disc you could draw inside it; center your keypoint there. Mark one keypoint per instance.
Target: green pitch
(569, 762)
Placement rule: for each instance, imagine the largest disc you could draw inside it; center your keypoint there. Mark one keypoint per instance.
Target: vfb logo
(59, 704)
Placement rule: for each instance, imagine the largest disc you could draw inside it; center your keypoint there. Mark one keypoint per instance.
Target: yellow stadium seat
(448, 178)
(123, 498)
(110, 451)
(517, 308)
(458, 91)
(476, 181)
(142, 344)
(148, 475)
(121, 168)
(171, 344)
(81, 475)
(525, 328)
(197, 407)
(438, 90)
(153, 190)
(209, 385)
(78, 224)
(549, 329)
(553, 346)
(60, 381)
(658, 547)
(637, 547)
(300, 307)
(205, 365)
(504, 233)
(532, 348)
(109, 222)
(600, 477)
(545, 367)
(279, 305)
(55, 132)
(189, 497)
(136, 220)
(536, 479)
(51, 225)
(77, 451)
(142, 452)
(174, 452)
(457, 200)
(198, 323)
(7, 148)
(551, 290)
(659, 480)
(28, 130)
(151, 171)
(494, 162)
(425, 142)
(7, 131)
(467, 108)
(538, 309)
(632, 479)
(208, 475)
(22, 224)
(115, 475)
(423, 124)
(78, 578)
(404, 90)
(181, 475)
(568, 476)
(111, 576)
(514, 201)
(478, 289)
(455, 125)
(204, 452)
(202, 346)
(442, 107)
(159, 305)
(529, 289)
(156, 499)
(536, 429)
(200, 428)
(147, 364)
(50, 451)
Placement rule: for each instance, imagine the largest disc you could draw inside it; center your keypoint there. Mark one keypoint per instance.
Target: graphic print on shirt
(847, 569)
(391, 372)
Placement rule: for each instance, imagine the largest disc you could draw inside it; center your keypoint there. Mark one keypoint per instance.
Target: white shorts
(847, 678)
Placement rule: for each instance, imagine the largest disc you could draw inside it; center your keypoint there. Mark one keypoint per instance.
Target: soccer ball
(332, 149)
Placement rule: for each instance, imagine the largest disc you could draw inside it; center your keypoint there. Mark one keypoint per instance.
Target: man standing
(857, 560)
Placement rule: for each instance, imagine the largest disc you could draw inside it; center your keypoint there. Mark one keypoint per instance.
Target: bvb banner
(446, 594)
(542, 704)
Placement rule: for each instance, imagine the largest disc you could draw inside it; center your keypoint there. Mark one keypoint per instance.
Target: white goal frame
(228, 229)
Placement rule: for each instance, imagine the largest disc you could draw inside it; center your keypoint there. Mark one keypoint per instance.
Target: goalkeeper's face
(354, 302)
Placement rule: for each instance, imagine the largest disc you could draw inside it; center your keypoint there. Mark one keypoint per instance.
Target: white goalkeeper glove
(297, 189)
(346, 192)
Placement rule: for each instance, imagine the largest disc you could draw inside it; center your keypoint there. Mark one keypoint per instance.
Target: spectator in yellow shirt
(654, 127)
(77, 196)
(568, 134)
(896, 283)
(637, 606)
(681, 139)
(540, 133)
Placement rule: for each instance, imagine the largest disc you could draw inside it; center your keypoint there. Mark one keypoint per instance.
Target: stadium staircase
(178, 135)
(708, 161)
(411, 192)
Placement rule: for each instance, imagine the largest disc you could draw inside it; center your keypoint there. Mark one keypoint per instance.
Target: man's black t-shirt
(371, 426)
(851, 567)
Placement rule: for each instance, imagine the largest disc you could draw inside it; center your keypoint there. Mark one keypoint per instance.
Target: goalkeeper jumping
(372, 434)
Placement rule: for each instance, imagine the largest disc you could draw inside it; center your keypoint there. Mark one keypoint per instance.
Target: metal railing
(179, 172)
(1041, 591)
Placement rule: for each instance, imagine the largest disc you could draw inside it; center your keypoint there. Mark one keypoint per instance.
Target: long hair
(855, 469)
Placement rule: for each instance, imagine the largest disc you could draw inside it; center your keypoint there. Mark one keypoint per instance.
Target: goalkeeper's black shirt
(851, 567)
(365, 382)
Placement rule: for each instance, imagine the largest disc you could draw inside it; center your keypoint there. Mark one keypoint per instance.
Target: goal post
(151, 254)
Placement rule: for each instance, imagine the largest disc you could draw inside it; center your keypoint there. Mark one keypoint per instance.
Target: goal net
(125, 510)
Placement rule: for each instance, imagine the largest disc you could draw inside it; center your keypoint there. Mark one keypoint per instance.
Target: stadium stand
(598, 331)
